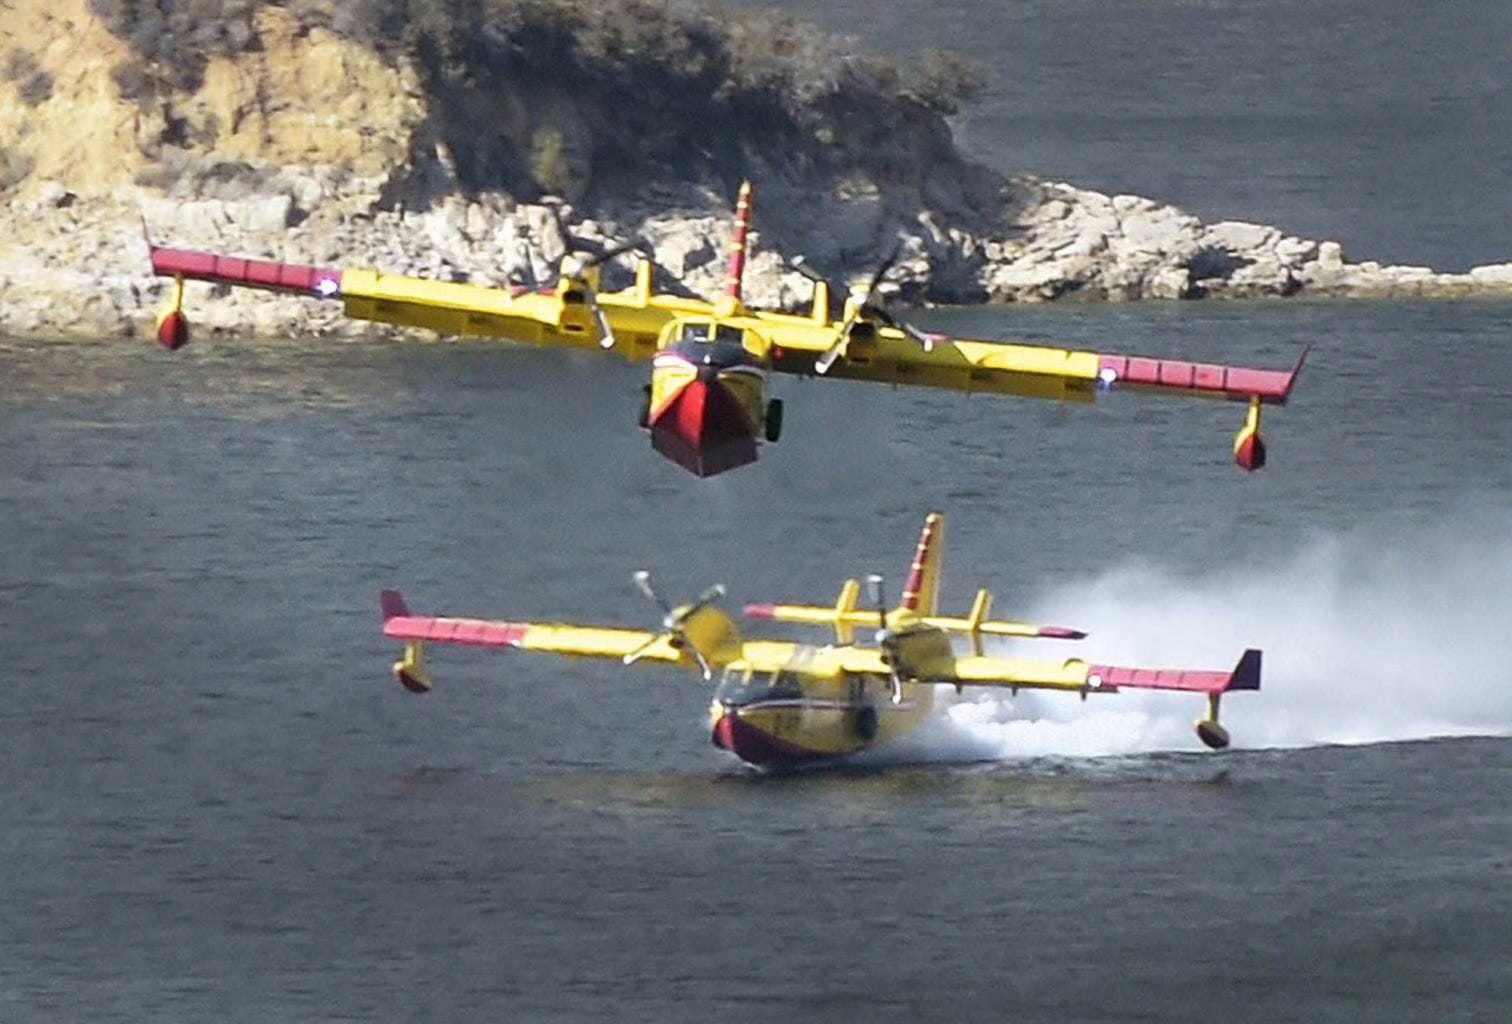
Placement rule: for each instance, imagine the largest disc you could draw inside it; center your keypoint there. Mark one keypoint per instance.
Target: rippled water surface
(218, 805)
(1383, 124)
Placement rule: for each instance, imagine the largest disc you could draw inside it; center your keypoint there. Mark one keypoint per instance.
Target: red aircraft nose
(704, 429)
(724, 732)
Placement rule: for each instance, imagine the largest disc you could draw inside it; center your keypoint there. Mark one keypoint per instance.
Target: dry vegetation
(678, 90)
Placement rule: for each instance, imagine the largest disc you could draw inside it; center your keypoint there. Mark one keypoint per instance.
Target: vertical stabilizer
(732, 302)
(921, 592)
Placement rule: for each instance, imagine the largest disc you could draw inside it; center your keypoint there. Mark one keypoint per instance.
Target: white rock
(1330, 255)
(1169, 283)
(1492, 273)
(1296, 251)
(1239, 236)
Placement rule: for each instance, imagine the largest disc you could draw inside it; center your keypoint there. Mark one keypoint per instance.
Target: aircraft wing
(1035, 371)
(1073, 674)
(572, 641)
(556, 317)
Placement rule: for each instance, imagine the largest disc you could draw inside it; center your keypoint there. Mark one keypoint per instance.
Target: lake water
(1383, 124)
(218, 804)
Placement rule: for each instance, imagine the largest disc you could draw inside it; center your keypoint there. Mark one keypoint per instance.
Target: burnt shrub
(37, 89)
(943, 80)
(36, 84)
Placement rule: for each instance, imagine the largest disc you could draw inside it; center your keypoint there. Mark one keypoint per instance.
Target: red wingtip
(759, 611)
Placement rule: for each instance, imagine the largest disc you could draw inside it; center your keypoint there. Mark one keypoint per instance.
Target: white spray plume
(1377, 635)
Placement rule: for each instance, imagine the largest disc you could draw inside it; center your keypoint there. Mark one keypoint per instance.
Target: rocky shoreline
(75, 265)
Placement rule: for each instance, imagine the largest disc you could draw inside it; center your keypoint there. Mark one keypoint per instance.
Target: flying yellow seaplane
(778, 703)
(707, 404)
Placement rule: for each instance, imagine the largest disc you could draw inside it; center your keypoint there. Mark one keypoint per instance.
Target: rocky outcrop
(77, 265)
(312, 150)
(1072, 242)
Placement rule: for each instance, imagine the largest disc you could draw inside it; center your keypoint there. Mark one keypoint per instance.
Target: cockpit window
(742, 686)
(703, 331)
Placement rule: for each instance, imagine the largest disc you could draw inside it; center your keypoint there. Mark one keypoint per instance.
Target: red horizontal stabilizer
(1237, 382)
(1245, 676)
(278, 277)
(401, 625)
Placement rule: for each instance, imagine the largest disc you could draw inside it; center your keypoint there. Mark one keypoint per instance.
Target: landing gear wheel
(644, 419)
(774, 420)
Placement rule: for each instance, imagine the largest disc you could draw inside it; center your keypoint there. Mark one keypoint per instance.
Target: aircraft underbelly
(788, 733)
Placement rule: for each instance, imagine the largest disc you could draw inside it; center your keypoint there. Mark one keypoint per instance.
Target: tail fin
(734, 282)
(921, 592)
(392, 603)
(1246, 674)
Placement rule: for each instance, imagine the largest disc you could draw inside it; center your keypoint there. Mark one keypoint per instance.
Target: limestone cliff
(303, 98)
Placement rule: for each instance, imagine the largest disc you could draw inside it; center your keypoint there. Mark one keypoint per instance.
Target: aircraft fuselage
(789, 719)
(708, 405)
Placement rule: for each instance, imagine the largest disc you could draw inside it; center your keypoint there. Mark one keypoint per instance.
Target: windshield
(701, 330)
(742, 686)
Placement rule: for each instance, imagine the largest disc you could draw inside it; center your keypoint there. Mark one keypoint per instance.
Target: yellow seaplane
(707, 404)
(781, 704)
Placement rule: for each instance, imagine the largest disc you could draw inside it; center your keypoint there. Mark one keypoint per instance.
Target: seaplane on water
(778, 703)
(708, 404)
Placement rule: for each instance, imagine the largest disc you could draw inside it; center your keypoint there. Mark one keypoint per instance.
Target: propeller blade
(606, 332)
(800, 264)
(640, 652)
(862, 306)
(708, 597)
(892, 257)
(613, 251)
(874, 591)
(642, 580)
(842, 341)
(703, 663)
(926, 341)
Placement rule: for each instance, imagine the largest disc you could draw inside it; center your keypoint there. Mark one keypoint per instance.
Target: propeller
(865, 303)
(673, 621)
(576, 264)
(885, 638)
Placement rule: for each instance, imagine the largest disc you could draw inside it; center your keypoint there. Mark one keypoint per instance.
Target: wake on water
(1382, 634)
